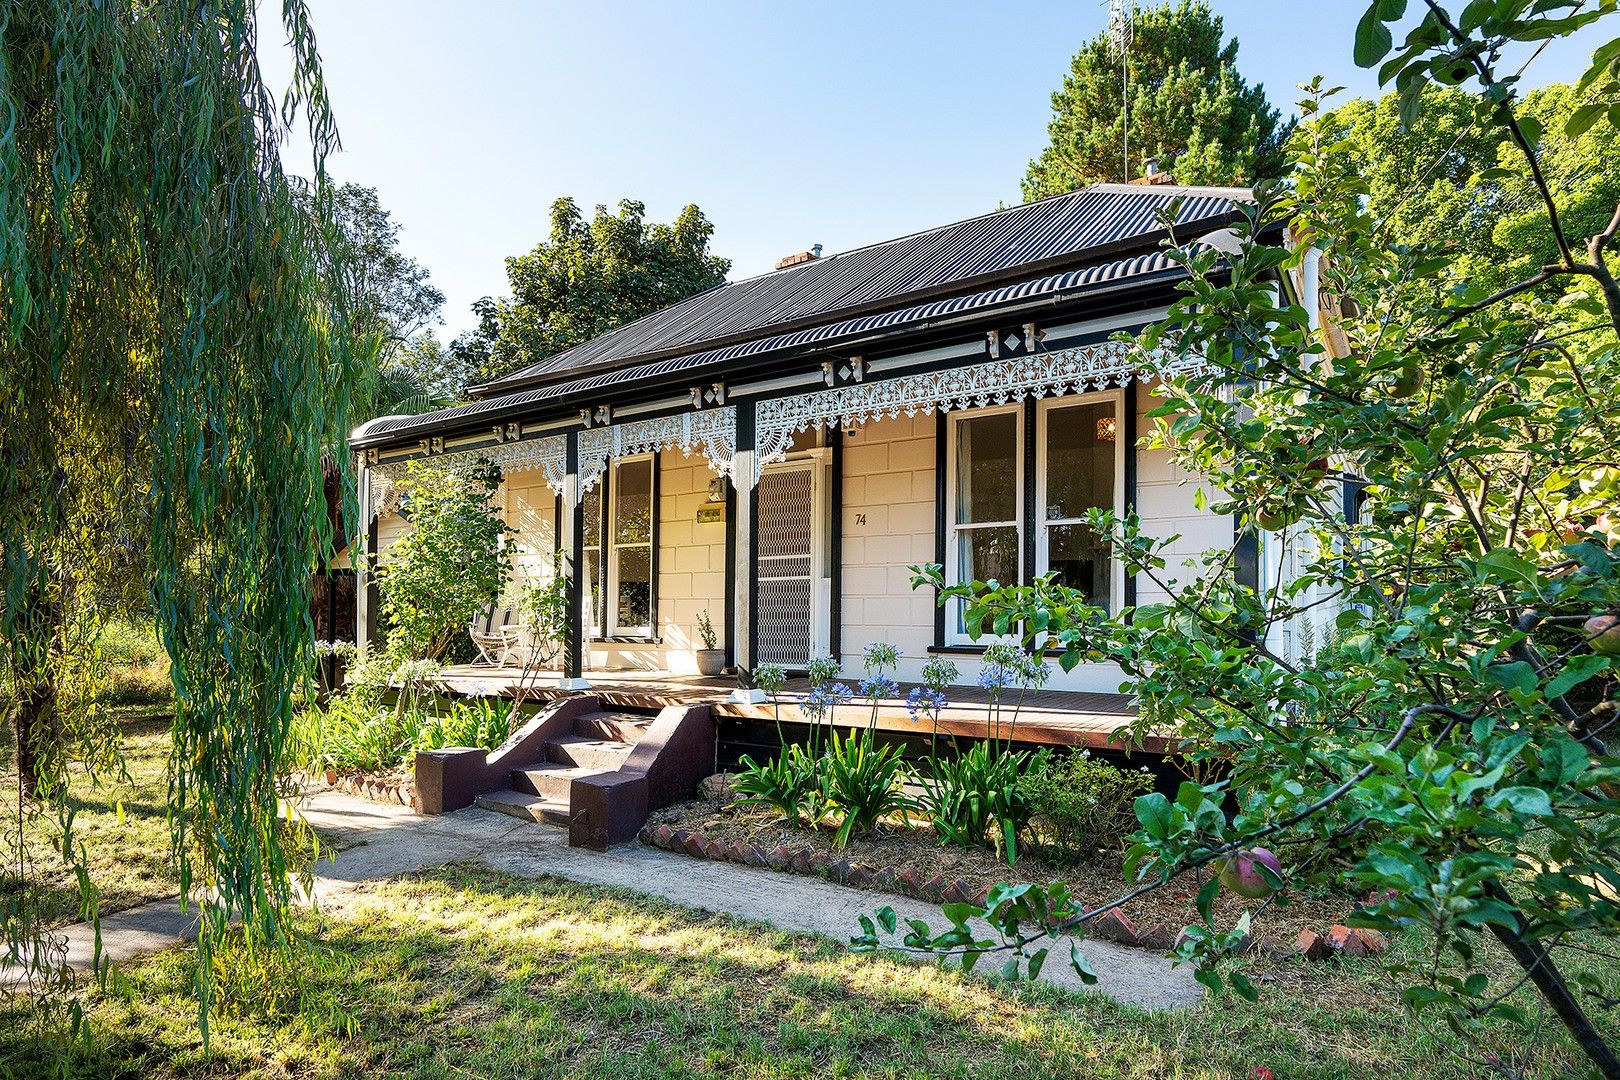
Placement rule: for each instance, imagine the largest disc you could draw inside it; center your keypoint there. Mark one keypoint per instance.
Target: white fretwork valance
(711, 431)
(1079, 370)
(548, 454)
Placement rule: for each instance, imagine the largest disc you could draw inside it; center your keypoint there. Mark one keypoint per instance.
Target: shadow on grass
(466, 971)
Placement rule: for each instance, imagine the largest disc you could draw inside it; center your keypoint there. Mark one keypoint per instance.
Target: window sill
(627, 639)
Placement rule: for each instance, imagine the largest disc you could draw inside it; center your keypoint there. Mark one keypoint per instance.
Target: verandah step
(549, 779)
(524, 805)
(620, 726)
(595, 754)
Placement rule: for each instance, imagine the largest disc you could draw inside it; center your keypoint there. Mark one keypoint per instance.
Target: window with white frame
(1079, 468)
(620, 531)
(630, 549)
(986, 515)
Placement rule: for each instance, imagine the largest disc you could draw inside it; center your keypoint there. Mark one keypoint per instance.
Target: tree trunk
(1535, 960)
(34, 722)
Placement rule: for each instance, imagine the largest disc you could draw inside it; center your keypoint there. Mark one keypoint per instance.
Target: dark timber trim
(574, 663)
(941, 527)
(730, 604)
(1029, 479)
(835, 546)
(1127, 445)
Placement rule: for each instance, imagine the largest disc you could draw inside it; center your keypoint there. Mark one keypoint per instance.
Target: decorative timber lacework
(548, 454)
(713, 431)
(1065, 371)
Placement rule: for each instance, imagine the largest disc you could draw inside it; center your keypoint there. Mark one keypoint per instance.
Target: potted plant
(711, 659)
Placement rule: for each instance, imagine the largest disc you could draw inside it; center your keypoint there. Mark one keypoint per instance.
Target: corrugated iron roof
(967, 254)
(1067, 283)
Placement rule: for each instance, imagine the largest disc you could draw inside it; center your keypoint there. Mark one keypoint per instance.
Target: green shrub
(485, 723)
(790, 782)
(977, 799)
(353, 736)
(1079, 804)
(139, 684)
(137, 667)
(125, 644)
(862, 783)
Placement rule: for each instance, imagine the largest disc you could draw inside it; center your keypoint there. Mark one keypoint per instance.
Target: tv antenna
(1121, 31)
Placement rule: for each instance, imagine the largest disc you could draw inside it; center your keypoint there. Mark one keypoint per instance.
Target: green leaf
(1583, 118)
(1240, 982)
(1373, 42)
(959, 914)
(1517, 675)
(1082, 966)
(1155, 813)
(886, 918)
(1578, 670)
(1524, 800)
(1036, 962)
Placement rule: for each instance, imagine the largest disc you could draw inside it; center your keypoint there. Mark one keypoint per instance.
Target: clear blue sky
(790, 124)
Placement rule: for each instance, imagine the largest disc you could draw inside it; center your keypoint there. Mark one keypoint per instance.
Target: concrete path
(379, 841)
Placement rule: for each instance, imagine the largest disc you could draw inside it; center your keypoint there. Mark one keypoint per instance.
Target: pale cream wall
(888, 524)
(1166, 501)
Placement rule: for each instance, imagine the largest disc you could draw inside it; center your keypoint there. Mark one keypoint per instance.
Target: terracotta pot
(711, 661)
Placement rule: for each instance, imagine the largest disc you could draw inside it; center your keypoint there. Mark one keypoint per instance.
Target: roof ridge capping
(834, 284)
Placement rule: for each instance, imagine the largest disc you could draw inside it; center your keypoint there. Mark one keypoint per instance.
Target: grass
(119, 819)
(467, 972)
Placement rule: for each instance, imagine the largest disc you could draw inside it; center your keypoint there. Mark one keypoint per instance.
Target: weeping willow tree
(172, 363)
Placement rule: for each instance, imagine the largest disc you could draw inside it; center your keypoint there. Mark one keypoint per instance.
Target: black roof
(1054, 250)
(1092, 221)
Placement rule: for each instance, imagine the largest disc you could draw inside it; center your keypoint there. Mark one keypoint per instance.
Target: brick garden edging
(396, 792)
(1113, 925)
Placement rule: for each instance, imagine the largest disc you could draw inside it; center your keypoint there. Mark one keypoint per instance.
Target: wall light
(1107, 428)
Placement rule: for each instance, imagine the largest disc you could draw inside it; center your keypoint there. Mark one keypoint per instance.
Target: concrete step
(587, 752)
(547, 778)
(521, 804)
(619, 726)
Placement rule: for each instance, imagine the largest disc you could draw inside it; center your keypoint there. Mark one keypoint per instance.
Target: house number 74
(860, 519)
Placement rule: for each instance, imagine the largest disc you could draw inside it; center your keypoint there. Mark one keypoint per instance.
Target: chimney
(1153, 175)
(799, 257)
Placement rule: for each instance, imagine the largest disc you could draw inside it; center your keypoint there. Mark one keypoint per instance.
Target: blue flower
(878, 686)
(924, 701)
(995, 677)
(823, 698)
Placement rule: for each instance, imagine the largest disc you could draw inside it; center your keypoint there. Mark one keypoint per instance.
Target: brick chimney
(1153, 175)
(799, 257)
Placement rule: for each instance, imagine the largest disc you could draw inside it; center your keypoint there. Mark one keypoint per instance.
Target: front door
(794, 586)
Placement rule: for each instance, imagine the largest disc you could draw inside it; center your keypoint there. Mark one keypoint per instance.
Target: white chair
(493, 633)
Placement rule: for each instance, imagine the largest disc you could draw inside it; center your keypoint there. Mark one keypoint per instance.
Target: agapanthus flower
(878, 686)
(995, 677)
(925, 701)
(822, 699)
(880, 655)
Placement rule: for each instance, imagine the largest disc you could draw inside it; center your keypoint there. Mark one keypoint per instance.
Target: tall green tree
(1445, 179)
(168, 311)
(1189, 108)
(592, 276)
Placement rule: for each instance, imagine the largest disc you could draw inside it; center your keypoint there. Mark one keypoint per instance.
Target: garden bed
(909, 861)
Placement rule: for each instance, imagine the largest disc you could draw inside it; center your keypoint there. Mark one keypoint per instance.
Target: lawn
(119, 817)
(466, 972)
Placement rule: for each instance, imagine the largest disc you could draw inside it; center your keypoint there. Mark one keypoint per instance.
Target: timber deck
(1047, 717)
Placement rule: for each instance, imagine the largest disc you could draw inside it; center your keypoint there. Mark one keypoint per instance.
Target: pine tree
(1190, 109)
